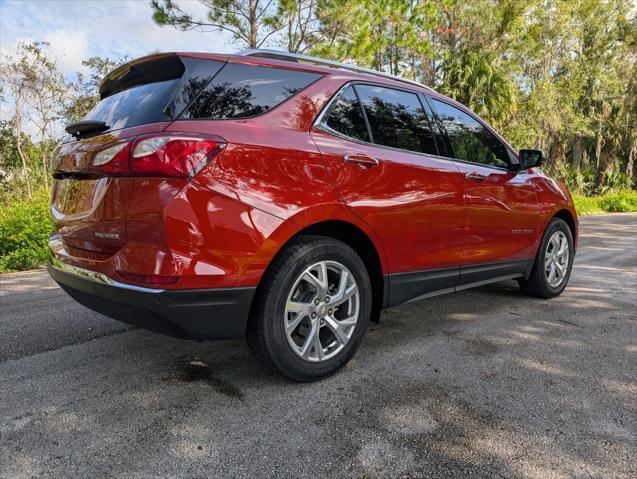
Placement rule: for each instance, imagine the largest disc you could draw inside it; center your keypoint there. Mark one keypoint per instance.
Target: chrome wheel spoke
(318, 347)
(563, 247)
(318, 298)
(293, 323)
(310, 340)
(302, 309)
(556, 259)
(345, 295)
(337, 329)
(551, 272)
(316, 282)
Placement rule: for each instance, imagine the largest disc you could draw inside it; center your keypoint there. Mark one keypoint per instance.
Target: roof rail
(298, 58)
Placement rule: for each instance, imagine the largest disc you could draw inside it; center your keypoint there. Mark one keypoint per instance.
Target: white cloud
(70, 47)
(78, 29)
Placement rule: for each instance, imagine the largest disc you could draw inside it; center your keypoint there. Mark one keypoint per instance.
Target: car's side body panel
(414, 202)
(501, 215)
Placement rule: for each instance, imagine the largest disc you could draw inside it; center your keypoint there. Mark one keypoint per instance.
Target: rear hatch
(120, 139)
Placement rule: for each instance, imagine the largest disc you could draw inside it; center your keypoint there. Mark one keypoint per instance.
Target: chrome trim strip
(97, 277)
(462, 287)
(495, 279)
(297, 57)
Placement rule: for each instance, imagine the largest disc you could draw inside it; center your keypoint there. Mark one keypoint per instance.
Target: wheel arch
(568, 217)
(360, 242)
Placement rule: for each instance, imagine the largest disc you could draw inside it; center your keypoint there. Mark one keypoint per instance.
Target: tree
(85, 90)
(251, 22)
(384, 35)
(477, 81)
(46, 90)
(297, 19)
(38, 90)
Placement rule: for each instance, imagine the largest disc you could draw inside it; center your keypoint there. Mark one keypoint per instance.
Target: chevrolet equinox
(288, 199)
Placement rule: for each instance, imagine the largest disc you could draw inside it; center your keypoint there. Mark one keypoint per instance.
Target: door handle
(475, 176)
(363, 161)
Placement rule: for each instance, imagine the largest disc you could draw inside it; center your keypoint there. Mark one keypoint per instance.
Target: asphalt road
(484, 383)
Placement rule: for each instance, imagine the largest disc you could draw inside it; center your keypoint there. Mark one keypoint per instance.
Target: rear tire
(553, 263)
(312, 309)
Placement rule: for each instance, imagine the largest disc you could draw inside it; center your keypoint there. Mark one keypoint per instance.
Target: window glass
(346, 117)
(199, 73)
(240, 91)
(397, 119)
(470, 140)
(137, 93)
(139, 105)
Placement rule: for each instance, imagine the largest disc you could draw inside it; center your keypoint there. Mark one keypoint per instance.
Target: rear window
(137, 93)
(241, 91)
(139, 105)
(168, 88)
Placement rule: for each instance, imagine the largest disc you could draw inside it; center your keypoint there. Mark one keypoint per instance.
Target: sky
(79, 29)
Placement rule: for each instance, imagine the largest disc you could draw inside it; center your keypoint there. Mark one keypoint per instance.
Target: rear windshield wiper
(84, 128)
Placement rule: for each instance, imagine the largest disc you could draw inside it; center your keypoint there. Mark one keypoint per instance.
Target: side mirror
(530, 159)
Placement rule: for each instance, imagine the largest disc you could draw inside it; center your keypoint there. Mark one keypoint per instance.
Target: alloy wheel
(321, 311)
(556, 259)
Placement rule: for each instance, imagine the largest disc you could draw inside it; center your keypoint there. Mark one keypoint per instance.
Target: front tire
(553, 263)
(312, 309)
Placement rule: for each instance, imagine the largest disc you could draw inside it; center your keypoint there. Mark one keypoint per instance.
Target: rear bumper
(219, 313)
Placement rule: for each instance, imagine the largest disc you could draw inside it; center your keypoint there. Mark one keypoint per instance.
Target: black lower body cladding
(220, 313)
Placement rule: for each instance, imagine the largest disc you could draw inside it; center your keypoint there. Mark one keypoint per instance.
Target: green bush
(588, 182)
(621, 201)
(25, 226)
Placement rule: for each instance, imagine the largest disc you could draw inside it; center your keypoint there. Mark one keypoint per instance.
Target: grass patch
(621, 201)
(25, 226)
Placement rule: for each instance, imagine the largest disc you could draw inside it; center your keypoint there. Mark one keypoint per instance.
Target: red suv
(289, 199)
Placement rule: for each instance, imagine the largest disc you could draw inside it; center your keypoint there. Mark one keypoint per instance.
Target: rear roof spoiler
(149, 69)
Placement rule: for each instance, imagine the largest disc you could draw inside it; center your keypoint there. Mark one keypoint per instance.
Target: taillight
(165, 155)
(114, 159)
(172, 156)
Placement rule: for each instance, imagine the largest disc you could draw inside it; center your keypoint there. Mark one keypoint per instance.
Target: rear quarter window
(241, 91)
(345, 116)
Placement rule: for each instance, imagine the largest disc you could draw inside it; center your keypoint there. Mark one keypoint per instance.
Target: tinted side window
(470, 140)
(397, 119)
(240, 91)
(346, 117)
(199, 73)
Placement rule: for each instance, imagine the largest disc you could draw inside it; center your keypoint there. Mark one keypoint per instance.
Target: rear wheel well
(356, 239)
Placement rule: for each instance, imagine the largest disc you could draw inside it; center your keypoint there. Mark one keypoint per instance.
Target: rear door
(383, 162)
(501, 204)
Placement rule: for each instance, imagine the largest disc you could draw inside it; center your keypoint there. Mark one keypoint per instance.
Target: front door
(501, 205)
